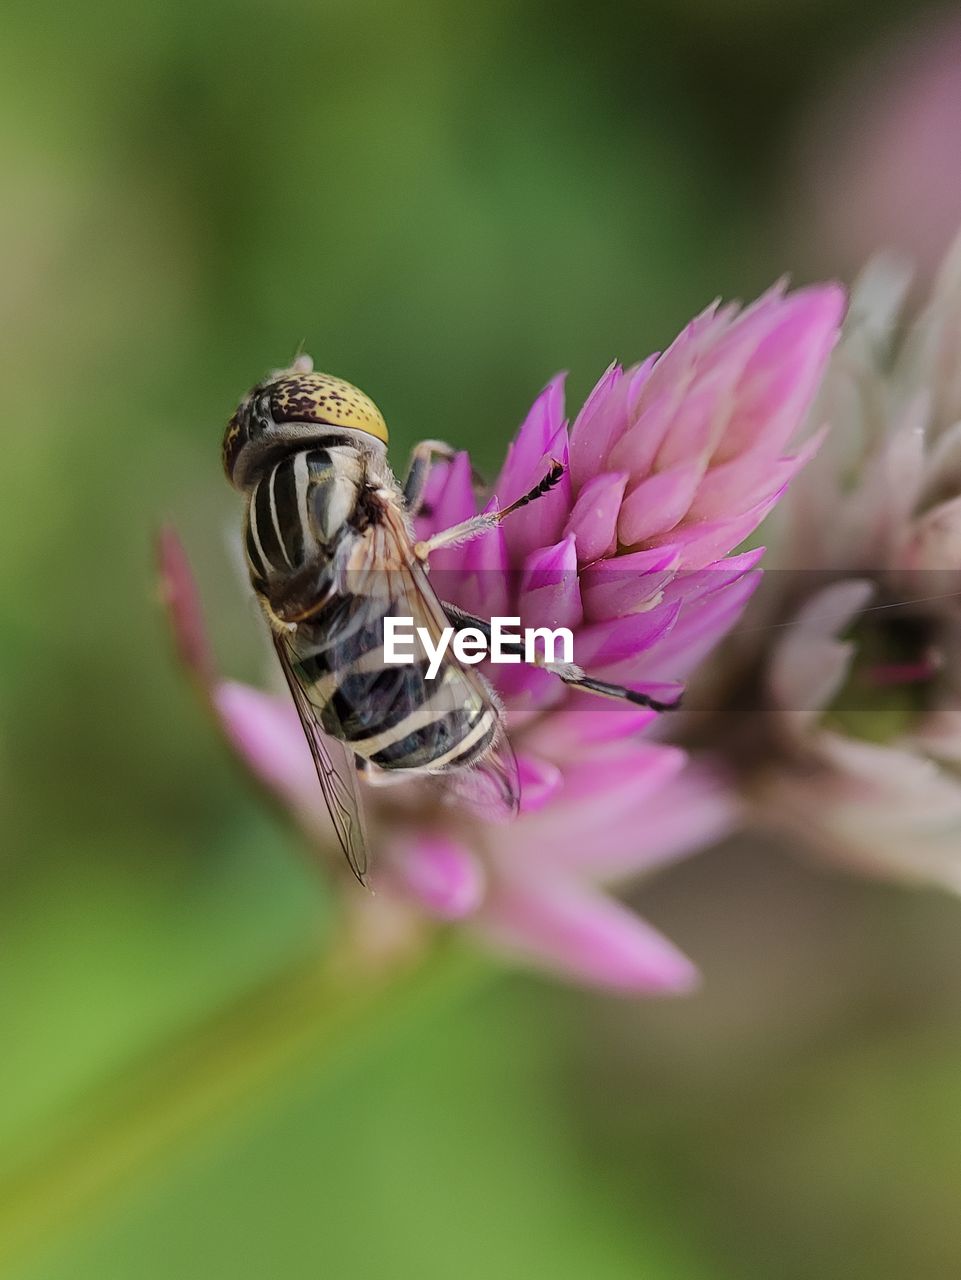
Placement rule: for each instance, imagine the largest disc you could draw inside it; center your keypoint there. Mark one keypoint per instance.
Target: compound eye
(234, 439)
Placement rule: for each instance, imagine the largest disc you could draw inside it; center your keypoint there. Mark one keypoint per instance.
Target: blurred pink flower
(860, 706)
(878, 166)
(670, 465)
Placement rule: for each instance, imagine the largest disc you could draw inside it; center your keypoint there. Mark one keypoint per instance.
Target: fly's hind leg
(569, 672)
(477, 525)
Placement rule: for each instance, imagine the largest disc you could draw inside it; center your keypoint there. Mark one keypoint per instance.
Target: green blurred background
(445, 204)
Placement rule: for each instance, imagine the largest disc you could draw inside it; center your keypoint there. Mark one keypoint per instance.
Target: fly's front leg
(477, 525)
(421, 458)
(418, 473)
(569, 672)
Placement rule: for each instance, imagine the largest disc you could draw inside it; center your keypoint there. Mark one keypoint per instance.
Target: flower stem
(310, 1016)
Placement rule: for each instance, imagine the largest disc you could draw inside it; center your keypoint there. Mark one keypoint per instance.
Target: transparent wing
(335, 770)
(491, 786)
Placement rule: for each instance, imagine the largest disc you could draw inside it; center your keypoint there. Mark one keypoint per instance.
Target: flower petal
(702, 622)
(542, 521)
(266, 734)
(785, 369)
(701, 416)
(540, 781)
(448, 500)
(748, 480)
(593, 522)
(542, 438)
(630, 771)
(939, 734)
(525, 454)
(179, 594)
(572, 930)
(630, 583)
(623, 639)
(698, 544)
(440, 872)
(809, 664)
(486, 591)
(550, 591)
(604, 796)
(935, 543)
(605, 417)
(658, 503)
(586, 724)
(684, 813)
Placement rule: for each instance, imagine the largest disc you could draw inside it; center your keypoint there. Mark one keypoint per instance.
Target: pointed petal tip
(812, 309)
(441, 873)
(810, 318)
(826, 302)
(581, 934)
(540, 781)
(685, 980)
(180, 598)
(549, 562)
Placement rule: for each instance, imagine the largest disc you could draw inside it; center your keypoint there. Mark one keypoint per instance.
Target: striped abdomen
(391, 715)
(302, 515)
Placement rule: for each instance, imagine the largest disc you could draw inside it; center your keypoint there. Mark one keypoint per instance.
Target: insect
(331, 551)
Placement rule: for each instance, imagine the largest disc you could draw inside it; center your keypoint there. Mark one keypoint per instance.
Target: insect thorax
(300, 506)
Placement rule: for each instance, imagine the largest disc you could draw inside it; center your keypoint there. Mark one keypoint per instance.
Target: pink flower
(857, 722)
(877, 168)
(670, 465)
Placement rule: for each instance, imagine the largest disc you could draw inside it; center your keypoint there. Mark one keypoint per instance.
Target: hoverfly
(331, 551)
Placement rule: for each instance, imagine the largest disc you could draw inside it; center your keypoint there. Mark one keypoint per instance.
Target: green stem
(312, 1013)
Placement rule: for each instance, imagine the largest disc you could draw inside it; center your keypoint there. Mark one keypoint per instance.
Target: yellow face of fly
(326, 400)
